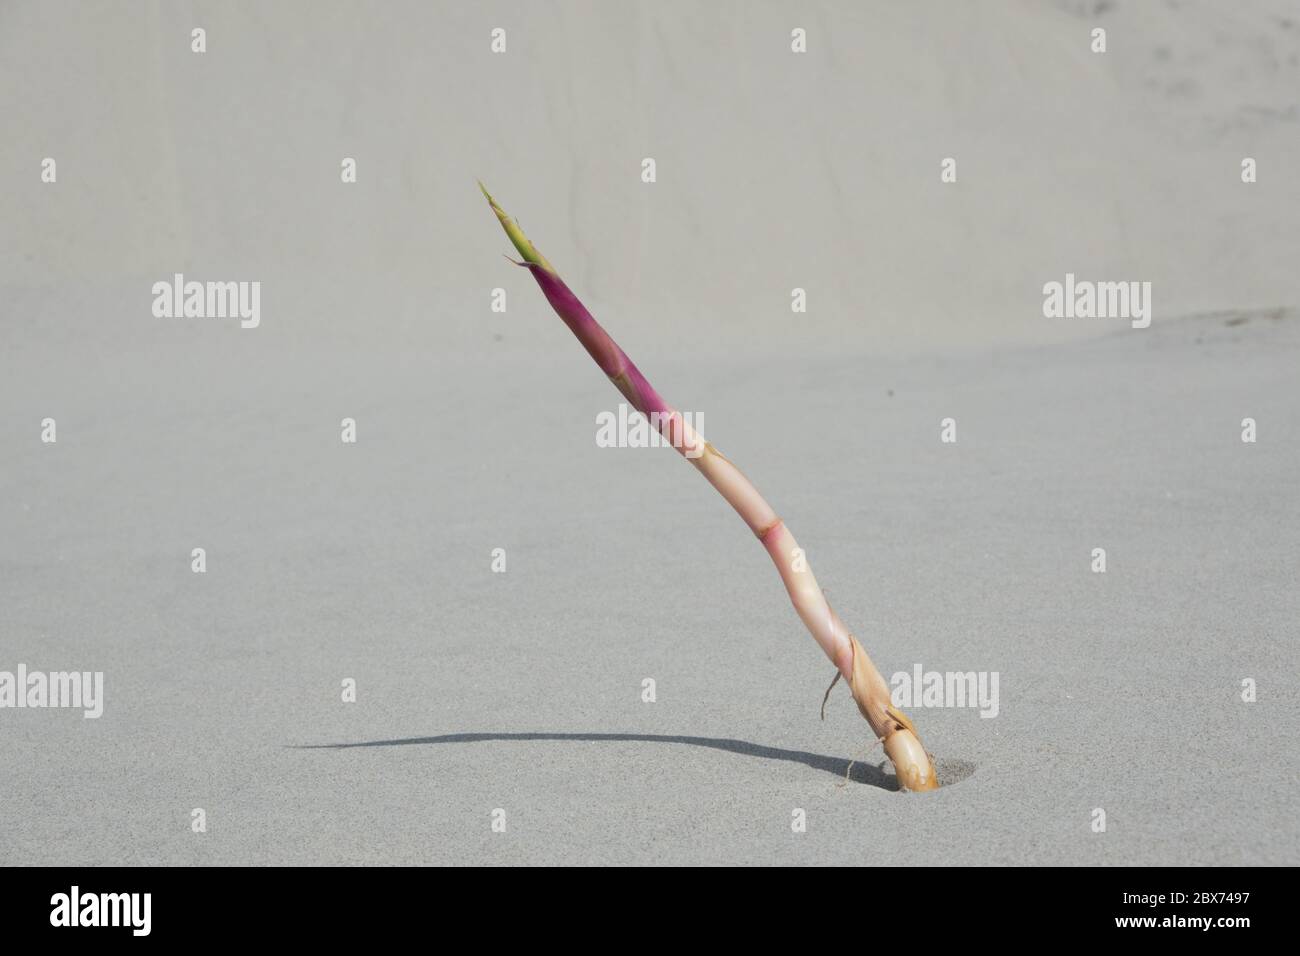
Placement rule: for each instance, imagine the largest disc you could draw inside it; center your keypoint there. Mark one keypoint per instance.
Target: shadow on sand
(865, 773)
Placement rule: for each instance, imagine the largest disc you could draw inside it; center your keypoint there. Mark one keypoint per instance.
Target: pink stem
(807, 596)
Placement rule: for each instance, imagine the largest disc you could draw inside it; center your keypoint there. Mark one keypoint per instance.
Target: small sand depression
(951, 770)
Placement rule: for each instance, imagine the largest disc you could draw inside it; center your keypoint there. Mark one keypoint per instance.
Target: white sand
(326, 561)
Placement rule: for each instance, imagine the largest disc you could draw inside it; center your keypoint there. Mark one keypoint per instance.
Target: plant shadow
(846, 770)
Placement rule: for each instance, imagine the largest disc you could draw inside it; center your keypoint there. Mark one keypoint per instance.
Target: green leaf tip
(516, 235)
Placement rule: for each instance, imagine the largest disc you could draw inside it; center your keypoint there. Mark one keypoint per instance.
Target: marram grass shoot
(890, 725)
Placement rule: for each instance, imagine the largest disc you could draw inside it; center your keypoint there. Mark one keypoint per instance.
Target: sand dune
(775, 171)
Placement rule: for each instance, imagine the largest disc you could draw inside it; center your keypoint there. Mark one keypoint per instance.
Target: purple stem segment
(613, 361)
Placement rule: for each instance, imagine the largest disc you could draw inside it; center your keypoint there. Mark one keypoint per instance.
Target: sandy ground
(523, 691)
